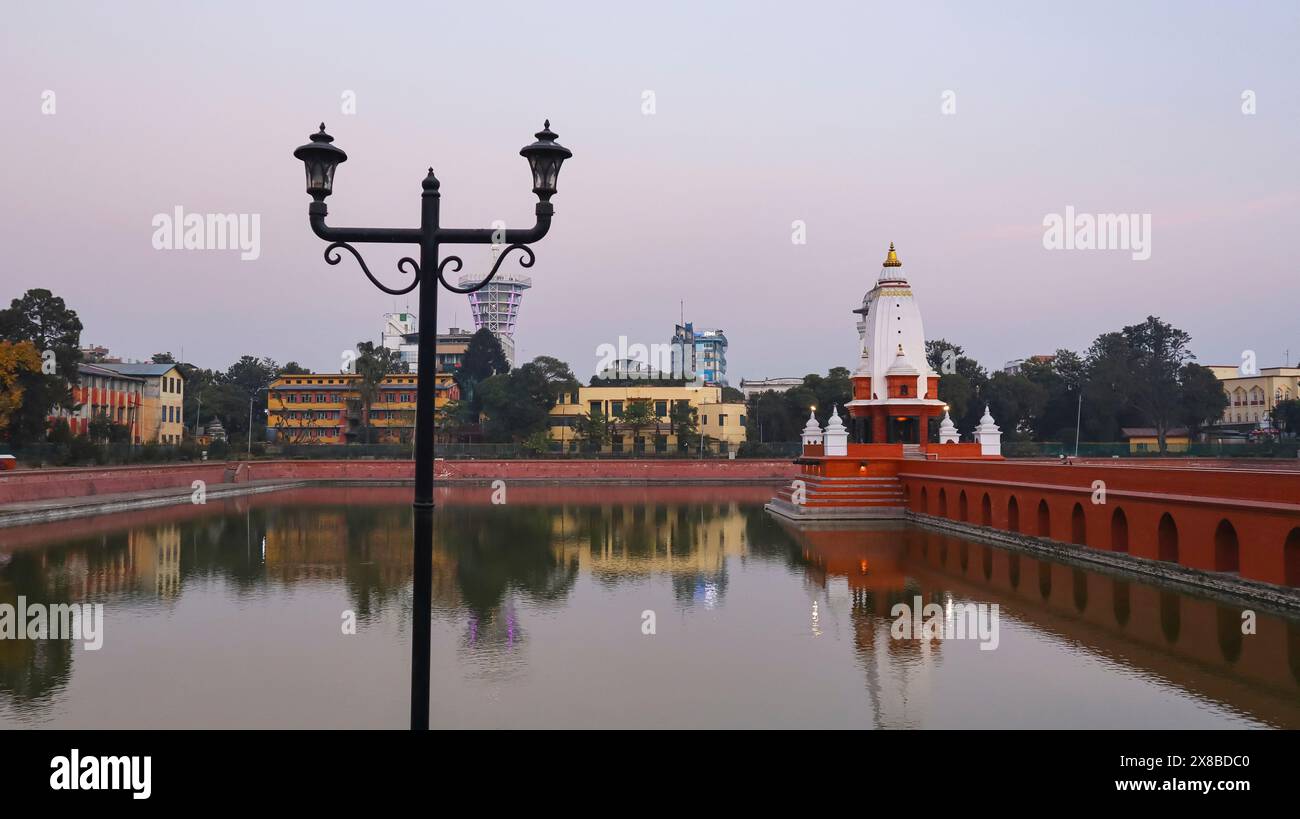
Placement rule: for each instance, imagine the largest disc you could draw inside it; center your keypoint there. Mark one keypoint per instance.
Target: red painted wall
(45, 484)
(1260, 539)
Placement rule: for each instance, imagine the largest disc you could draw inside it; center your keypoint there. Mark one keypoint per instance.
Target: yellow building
(326, 408)
(1251, 398)
(722, 425)
(162, 406)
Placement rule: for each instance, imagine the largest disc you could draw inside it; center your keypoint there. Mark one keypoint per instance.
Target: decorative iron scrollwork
(523, 262)
(401, 265)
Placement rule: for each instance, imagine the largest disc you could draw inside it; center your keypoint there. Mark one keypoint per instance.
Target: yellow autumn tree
(16, 359)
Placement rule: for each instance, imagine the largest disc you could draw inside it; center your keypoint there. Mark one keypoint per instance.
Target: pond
(610, 606)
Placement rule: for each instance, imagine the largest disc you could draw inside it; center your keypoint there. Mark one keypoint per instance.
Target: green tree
(1286, 416)
(638, 414)
(517, 404)
(163, 358)
(1016, 402)
(1158, 352)
(1202, 396)
(593, 429)
(483, 359)
(373, 364)
(683, 419)
(558, 375)
(46, 321)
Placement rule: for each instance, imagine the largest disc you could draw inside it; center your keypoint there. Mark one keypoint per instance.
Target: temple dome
(890, 318)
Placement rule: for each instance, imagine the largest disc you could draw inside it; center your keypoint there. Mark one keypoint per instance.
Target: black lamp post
(321, 158)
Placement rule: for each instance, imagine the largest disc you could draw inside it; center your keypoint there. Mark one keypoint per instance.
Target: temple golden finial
(892, 259)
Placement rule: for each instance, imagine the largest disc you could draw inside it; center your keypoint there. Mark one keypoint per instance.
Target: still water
(233, 615)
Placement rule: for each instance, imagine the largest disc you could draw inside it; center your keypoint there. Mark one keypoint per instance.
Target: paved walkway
(23, 512)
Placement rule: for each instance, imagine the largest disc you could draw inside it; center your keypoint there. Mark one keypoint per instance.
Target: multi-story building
(1252, 397)
(721, 425)
(700, 355)
(402, 333)
(103, 392)
(162, 408)
(450, 349)
(496, 306)
(755, 386)
(326, 408)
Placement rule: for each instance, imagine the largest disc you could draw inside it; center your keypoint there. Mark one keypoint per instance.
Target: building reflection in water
(498, 568)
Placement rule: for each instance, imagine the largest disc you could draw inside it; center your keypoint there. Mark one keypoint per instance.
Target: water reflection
(534, 598)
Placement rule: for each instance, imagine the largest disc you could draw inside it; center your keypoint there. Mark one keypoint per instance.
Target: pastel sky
(765, 114)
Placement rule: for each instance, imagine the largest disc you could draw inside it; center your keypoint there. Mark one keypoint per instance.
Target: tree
(940, 351)
(593, 429)
(1107, 381)
(558, 374)
(373, 364)
(683, 419)
(19, 364)
(1157, 354)
(483, 359)
(1286, 416)
(43, 319)
(163, 358)
(638, 414)
(1016, 402)
(294, 368)
(517, 404)
(731, 395)
(1202, 396)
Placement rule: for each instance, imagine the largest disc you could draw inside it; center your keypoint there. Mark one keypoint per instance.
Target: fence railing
(1289, 448)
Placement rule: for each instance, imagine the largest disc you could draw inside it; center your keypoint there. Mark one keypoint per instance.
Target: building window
(593, 407)
(616, 408)
(661, 408)
(722, 420)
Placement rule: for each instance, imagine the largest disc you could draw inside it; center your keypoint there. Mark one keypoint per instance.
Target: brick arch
(1078, 526)
(1118, 531)
(925, 500)
(1291, 558)
(1227, 550)
(1167, 538)
(1044, 519)
(962, 512)
(986, 510)
(1013, 515)
(943, 502)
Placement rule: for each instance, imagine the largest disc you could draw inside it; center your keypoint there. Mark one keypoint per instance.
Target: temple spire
(892, 259)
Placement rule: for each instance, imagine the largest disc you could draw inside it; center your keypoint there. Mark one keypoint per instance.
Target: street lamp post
(321, 158)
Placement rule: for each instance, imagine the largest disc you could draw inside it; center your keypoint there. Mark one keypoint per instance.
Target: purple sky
(765, 114)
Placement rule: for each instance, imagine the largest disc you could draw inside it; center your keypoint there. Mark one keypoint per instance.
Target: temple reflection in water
(512, 583)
